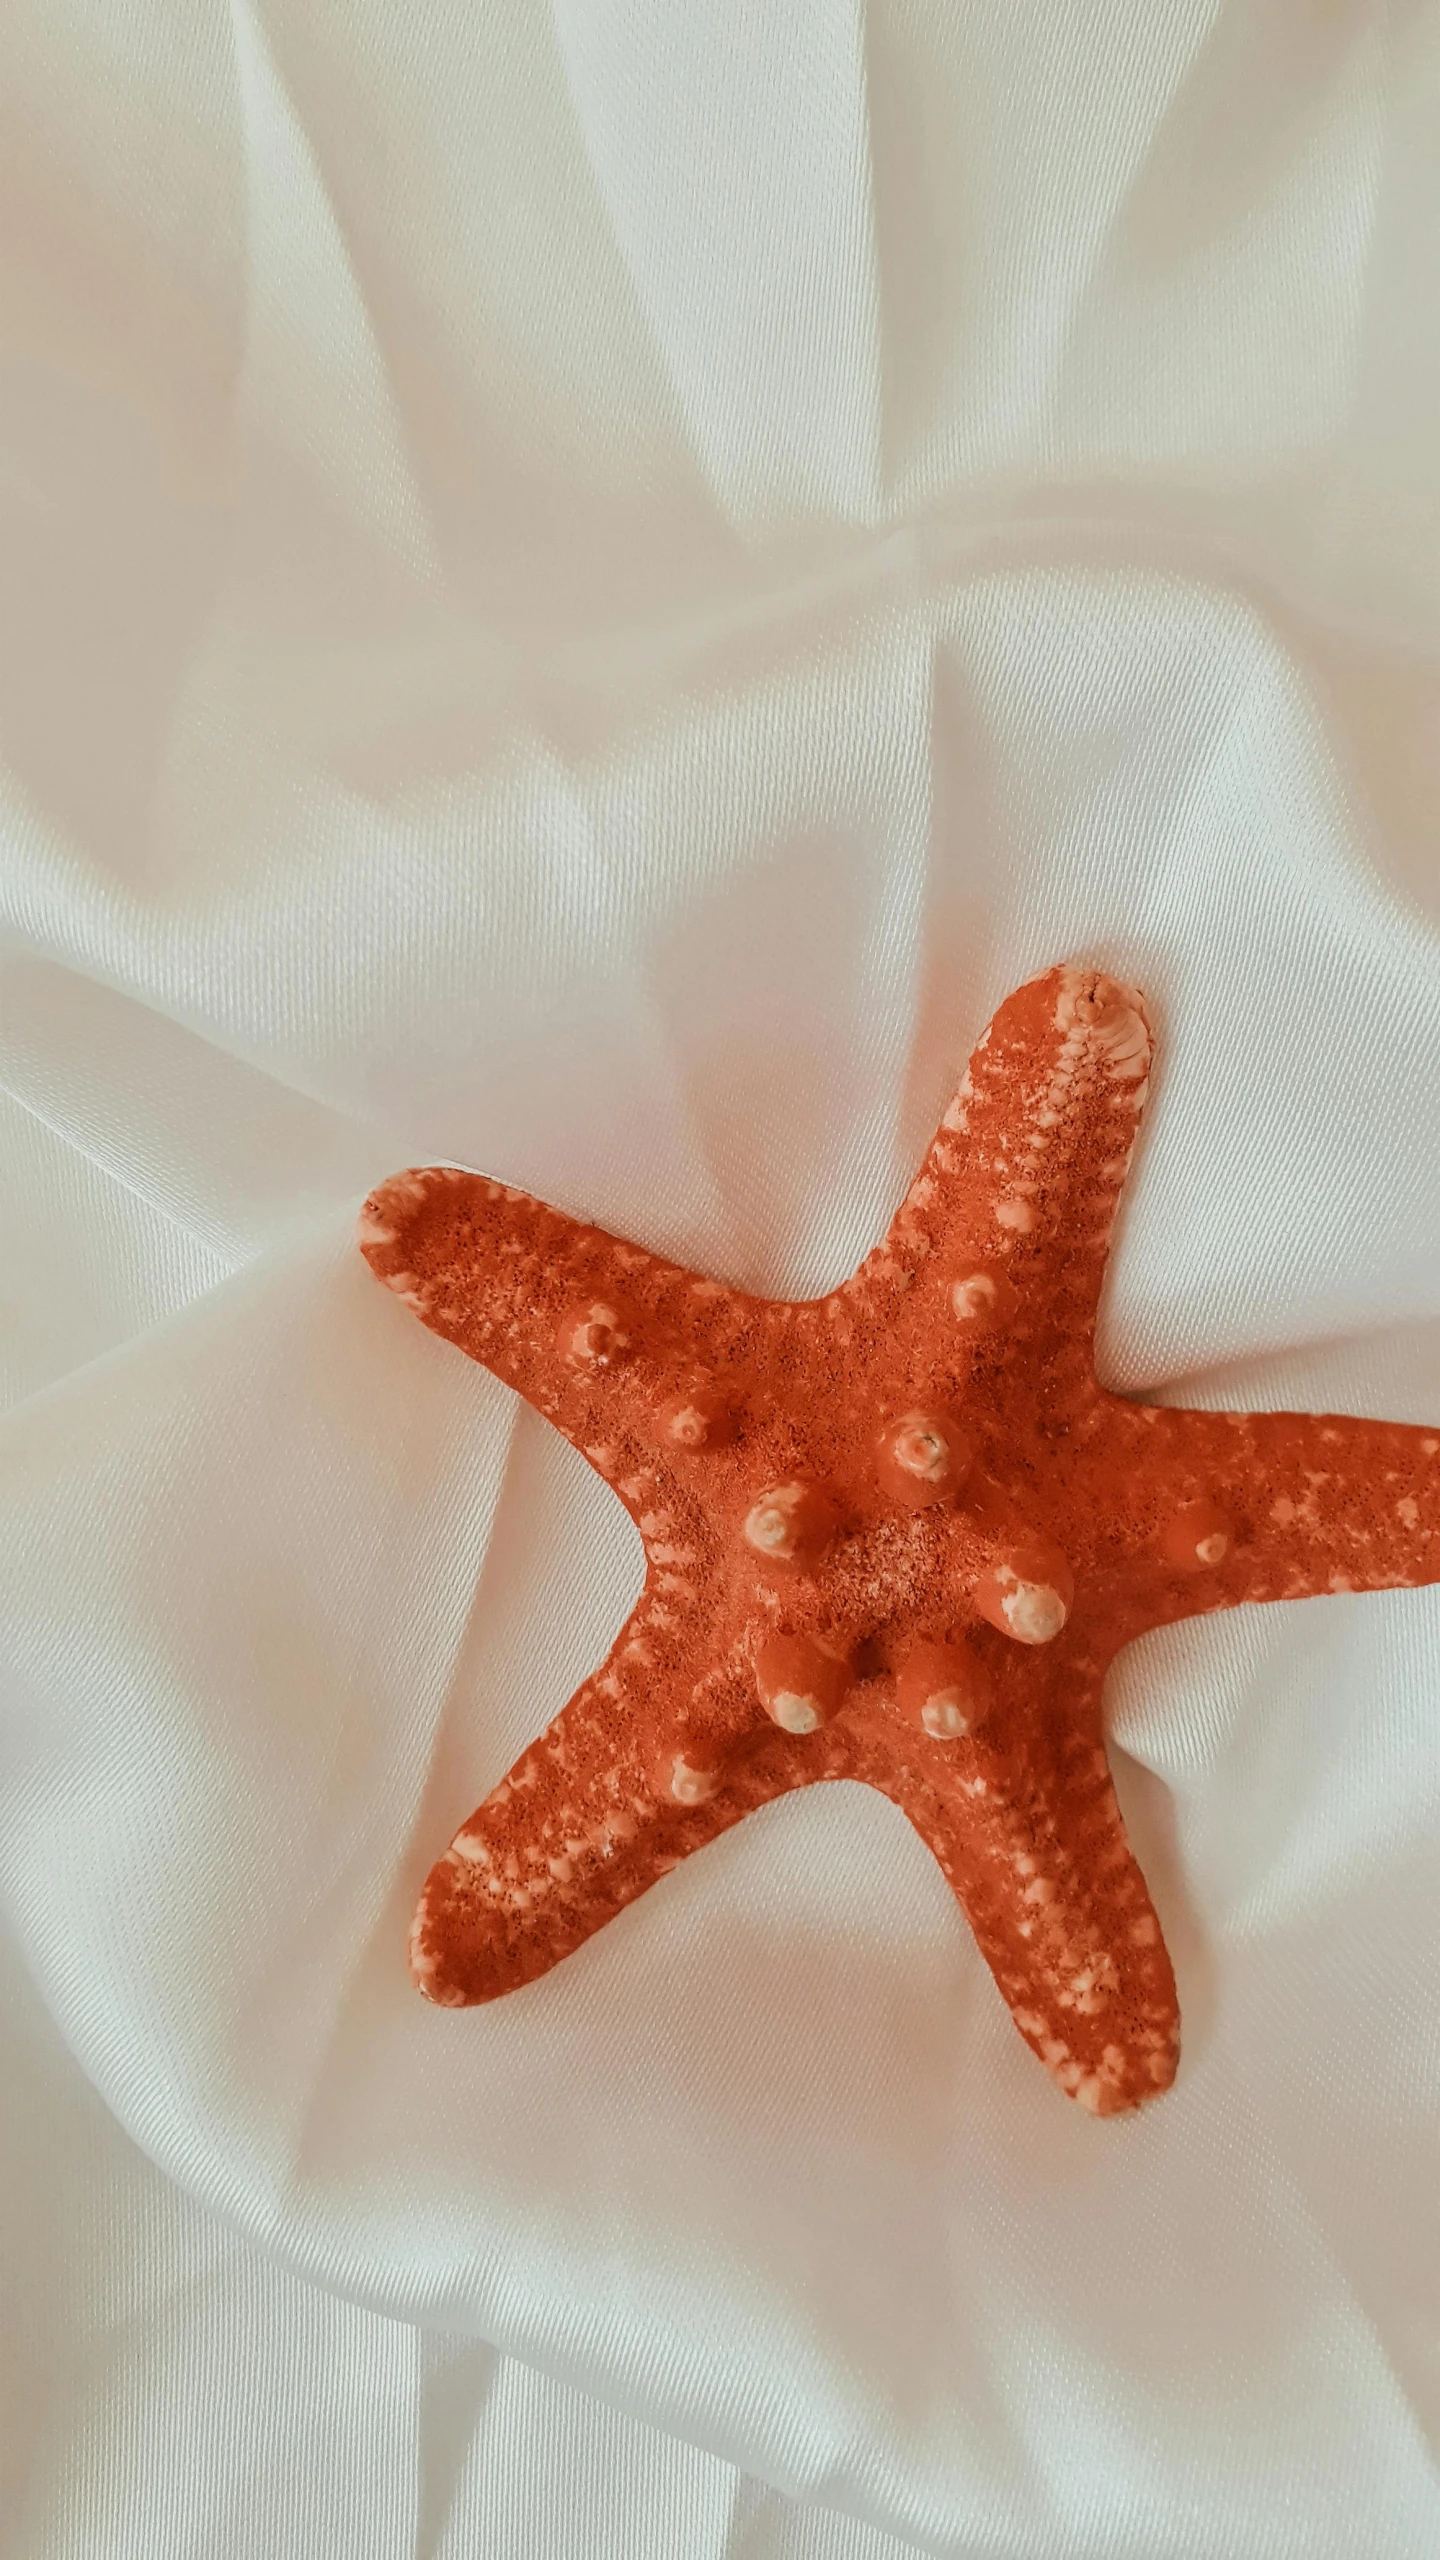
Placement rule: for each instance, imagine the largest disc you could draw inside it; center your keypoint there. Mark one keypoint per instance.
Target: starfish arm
(594, 1332)
(1030, 1838)
(586, 1820)
(1305, 1502)
(1022, 1181)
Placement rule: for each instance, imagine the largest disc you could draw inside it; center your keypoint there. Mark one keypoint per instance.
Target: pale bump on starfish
(1026, 1591)
(597, 1334)
(790, 1524)
(801, 1683)
(944, 1688)
(982, 1298)
(923, 1458)
(1200, 1536)
(896, 1534)
(687, 1776)
(699, 1417)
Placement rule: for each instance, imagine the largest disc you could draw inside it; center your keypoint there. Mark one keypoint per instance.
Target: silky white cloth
(582, 593)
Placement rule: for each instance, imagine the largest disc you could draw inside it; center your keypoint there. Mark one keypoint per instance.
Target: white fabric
(583, 593)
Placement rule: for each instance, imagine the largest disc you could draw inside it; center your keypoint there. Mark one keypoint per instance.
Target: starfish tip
(459, 1956)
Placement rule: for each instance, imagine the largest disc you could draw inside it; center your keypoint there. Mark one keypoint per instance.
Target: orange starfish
(895, 1534)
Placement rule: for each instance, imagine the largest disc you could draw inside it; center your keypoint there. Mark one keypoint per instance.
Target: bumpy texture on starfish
(894, 1534)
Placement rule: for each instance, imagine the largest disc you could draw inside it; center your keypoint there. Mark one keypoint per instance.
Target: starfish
(895, 1534)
